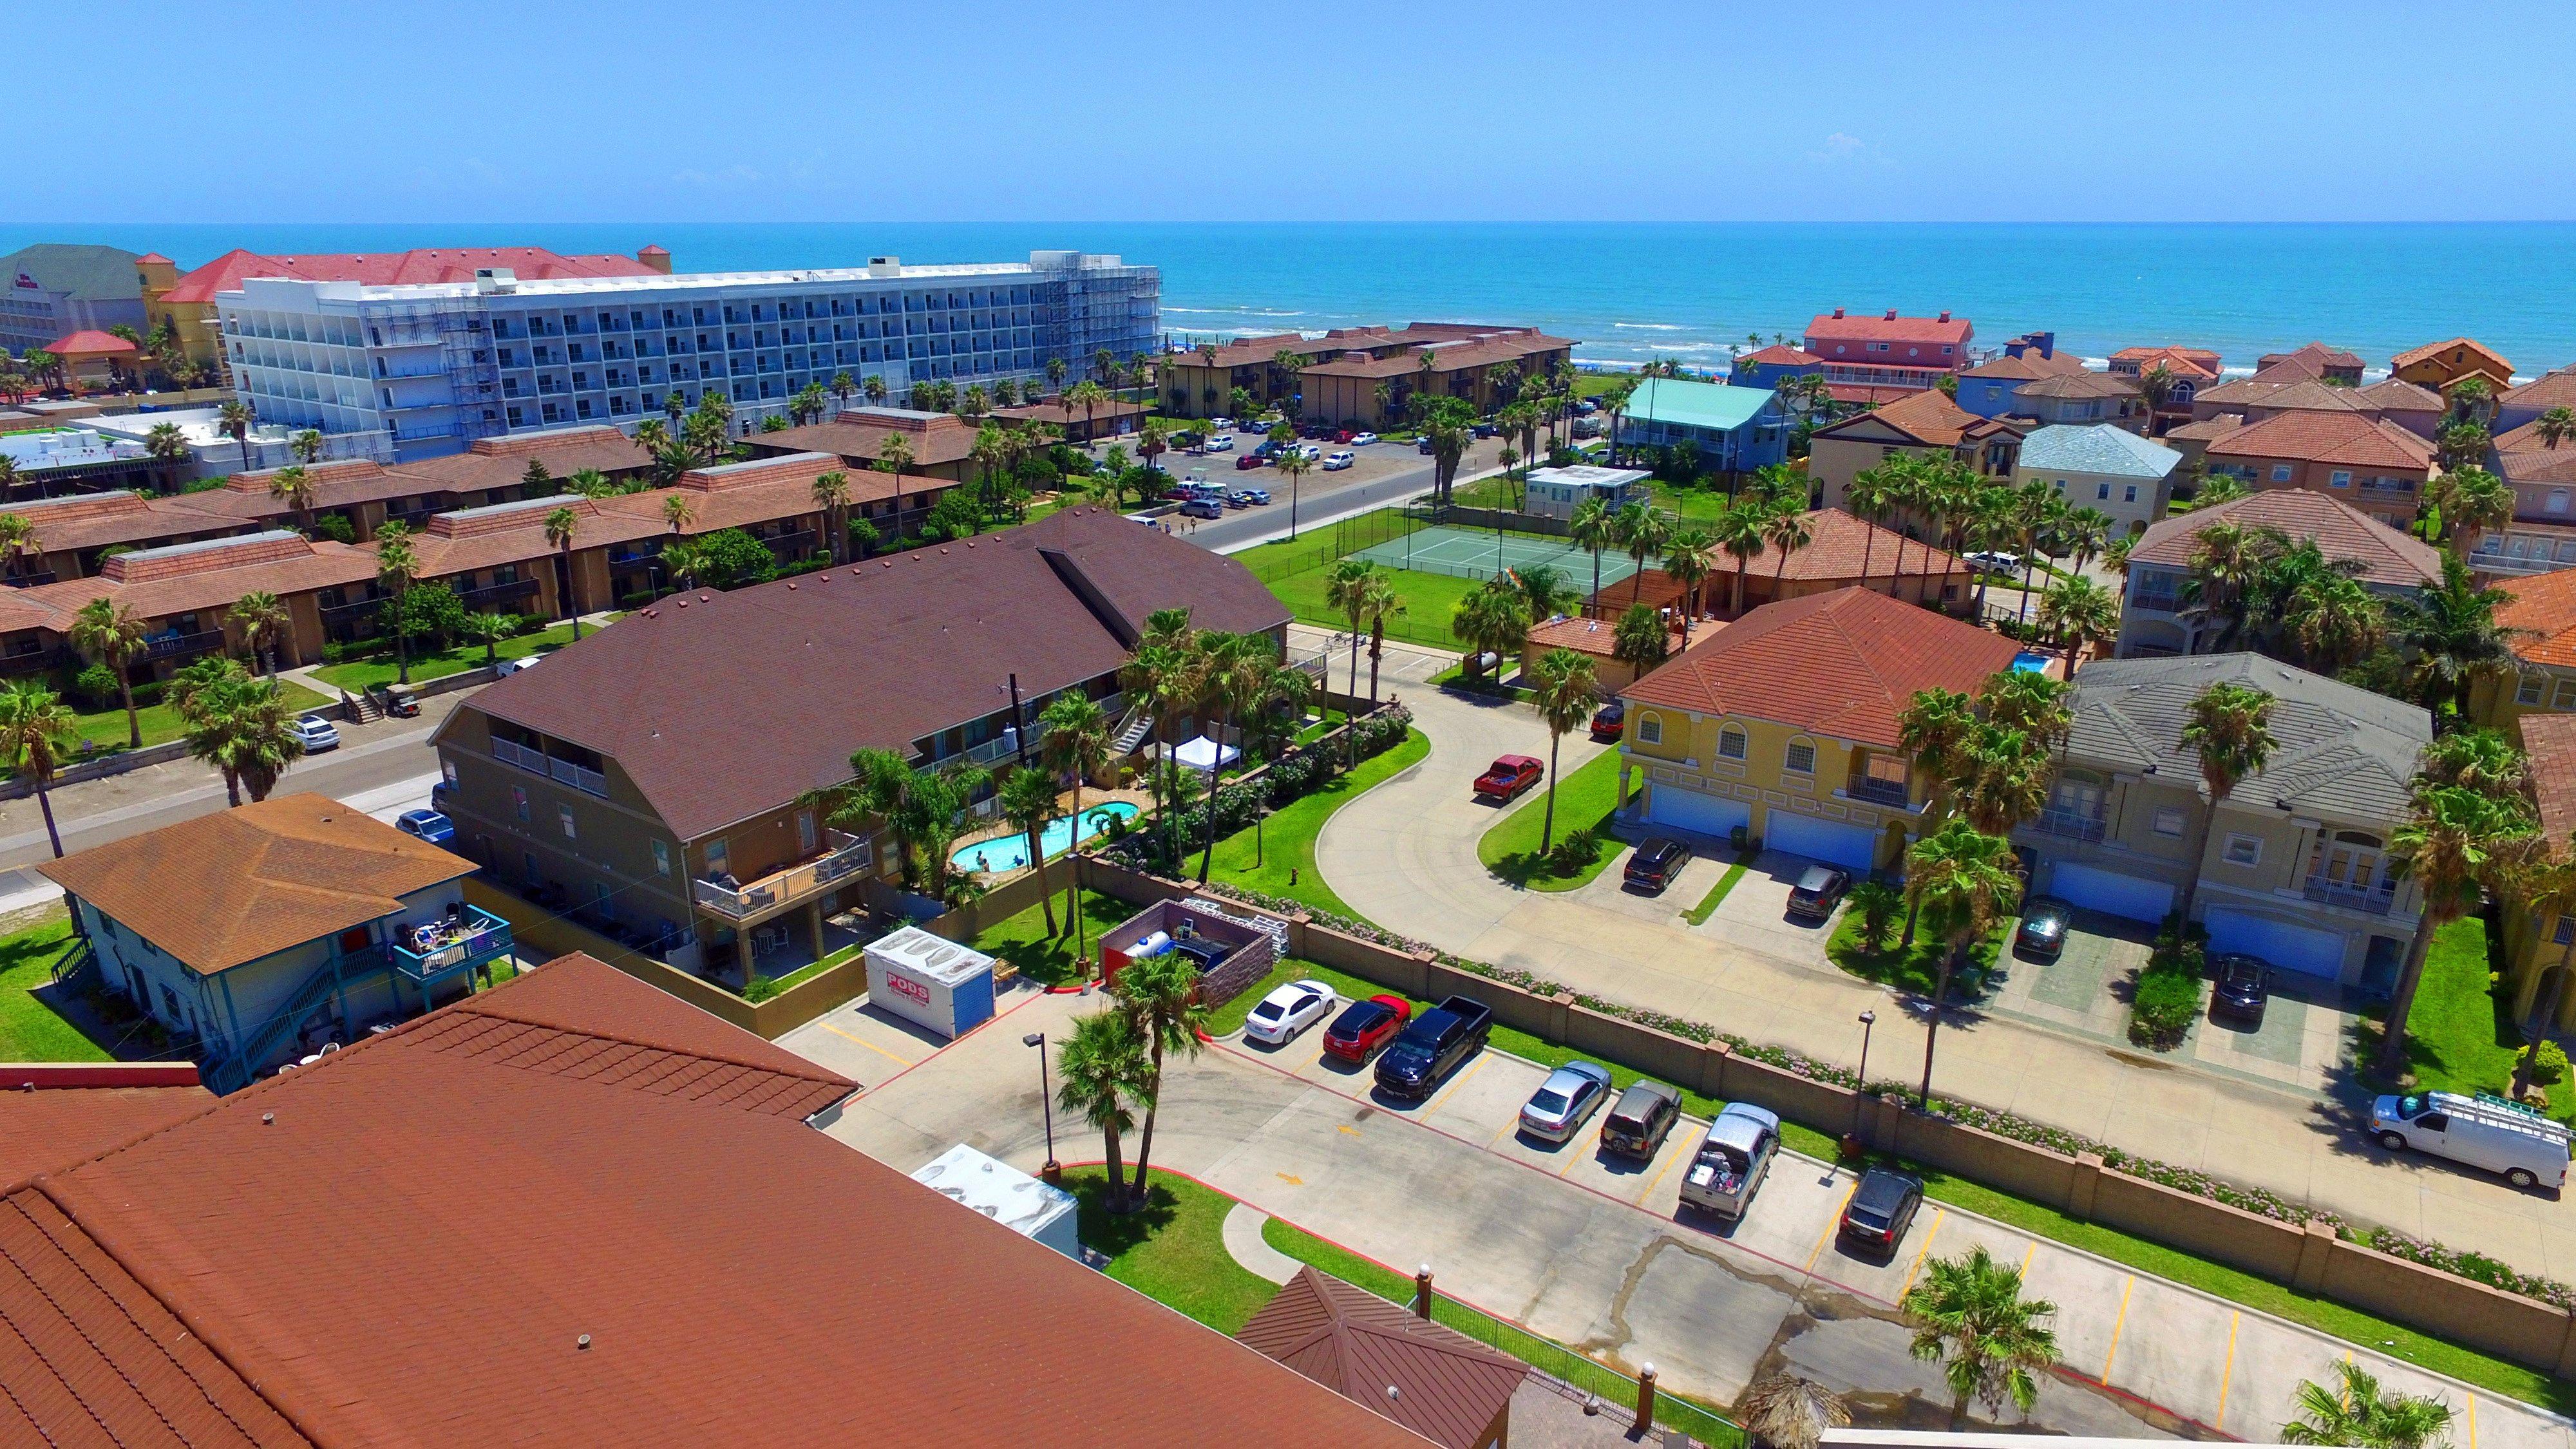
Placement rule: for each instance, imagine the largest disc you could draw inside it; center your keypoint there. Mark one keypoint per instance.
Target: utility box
(1007, 1195)
(929, 981)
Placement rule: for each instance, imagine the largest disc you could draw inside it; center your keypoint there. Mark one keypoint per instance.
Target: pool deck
(1091, 799)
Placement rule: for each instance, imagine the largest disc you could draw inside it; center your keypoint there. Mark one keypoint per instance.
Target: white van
(2482, 1131)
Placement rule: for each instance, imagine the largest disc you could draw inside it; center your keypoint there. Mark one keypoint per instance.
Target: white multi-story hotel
(437, 365)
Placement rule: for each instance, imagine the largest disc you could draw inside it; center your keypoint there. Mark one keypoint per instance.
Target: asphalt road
(1386, 473)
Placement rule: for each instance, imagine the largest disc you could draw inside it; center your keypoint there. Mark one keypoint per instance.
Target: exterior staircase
(234, 1072)
(360, 709)
(1132, 731)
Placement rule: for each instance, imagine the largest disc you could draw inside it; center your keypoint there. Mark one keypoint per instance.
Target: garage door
(1847, 845)
(1701, 814)
(2111, 893)
(2303, 949)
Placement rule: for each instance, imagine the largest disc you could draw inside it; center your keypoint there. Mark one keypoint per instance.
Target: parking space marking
(1455, 1083)
(2227, 1374)
(2116, 1325)
(2026, 1255)
(1669, 1159)
(871, 1046)
(1572, 1156)
(1347, 1127)
(1921, 1253)
(2473, 1421)
(1833, 1220)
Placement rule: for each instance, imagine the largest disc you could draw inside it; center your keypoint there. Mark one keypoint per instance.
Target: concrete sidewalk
(1404, 855)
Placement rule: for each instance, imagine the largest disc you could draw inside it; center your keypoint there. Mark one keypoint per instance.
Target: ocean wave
(1651, 326)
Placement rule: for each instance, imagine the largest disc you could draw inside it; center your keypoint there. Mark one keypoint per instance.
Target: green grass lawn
(1429, 601)
(1584, 800)
(1918, 969)
(359, 675)
(1049, 960)
(1708, 904)
(30, 1031)
(1287, 838)
(1172, 1250)
(105, 728)
(2460, 1034)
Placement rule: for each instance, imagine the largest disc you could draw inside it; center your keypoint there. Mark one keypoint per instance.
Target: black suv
(1437, 1041)
(1655, 864)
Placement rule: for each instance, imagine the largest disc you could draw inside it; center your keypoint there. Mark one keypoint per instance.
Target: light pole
(1860, 1099)
(1051, 1172)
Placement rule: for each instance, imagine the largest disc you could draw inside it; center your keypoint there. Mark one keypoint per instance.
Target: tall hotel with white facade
(437, 365)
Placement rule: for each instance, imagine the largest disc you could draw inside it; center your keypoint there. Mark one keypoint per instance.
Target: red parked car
(1249, 460)
(1508, 776)
(1343, 436)
(1364, 1026)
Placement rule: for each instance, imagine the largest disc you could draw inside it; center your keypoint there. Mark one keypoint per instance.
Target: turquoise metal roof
(1696, 404)
(2099, 449)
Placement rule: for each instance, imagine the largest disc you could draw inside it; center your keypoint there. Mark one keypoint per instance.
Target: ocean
(1630, 292)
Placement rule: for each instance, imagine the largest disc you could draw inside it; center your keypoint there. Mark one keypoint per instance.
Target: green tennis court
(1476, 553)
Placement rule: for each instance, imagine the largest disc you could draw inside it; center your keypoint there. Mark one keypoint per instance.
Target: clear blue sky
(467, 110)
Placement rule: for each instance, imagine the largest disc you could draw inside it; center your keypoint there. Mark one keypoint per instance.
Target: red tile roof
(2080, 384)
(1865, 395)
(1840, 326)
(2431, 350)
(1428, 1377)
(88, 344)
(1781, 355)
(2314, 359)
(2544, 604)
(2184, 361)
(1927, 415)
(57, 1118)
(2550, 740)
(1843, 664)
(2310, 397)
(2550, 390)
(2342, 532)
(2030, 366)
(1840, 544)
(1596, 637)
(2354, 439)
(429, 264)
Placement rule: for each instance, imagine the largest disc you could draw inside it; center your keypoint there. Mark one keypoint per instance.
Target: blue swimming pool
(1011, 852)
(2028, 663)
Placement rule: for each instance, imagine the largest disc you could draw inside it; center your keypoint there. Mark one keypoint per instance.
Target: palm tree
(1786, 531)
(261, 621)
(1544, 591)
(1073, 739)
(2226, 562)
(2034, 508)
(18, 543)
(1028, 801)
(1935, 731)
(1959, 880)
(1642, 534)
(561, 525)
(1235, 670)
(874, 389)
(111, 633)
(2473, 502)
(1970, 1317)
(1690, 556)
(1565, 700)
(893, 456)
(2451, 847)
(306, 445)
(1100, 1070)
(1493, 619)
(1641, 641)
(166, 445)
(921, 807)
(2556, 426)
(1161, 674)
(2008, 777)
(1785, 1411)
(292, 486)
(234, 419)
(2229, 729)
(2451, 635)
(488, 630)
(1868, 498)
(1594, 528)
(683, 560)
(2357, 1413)
(1162, 999)
(397, 566)
(2078, 611)
(1347, 590)
(2544, 881)
(2083, 534)
(832, 495)
(1737, 531)
(34, 729)
(1379, 602)
(1293, 466)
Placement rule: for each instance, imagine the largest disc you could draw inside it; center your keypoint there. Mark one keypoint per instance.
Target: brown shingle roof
(2550, 740)
(2355, 439)
(2388, 558)
(499, 462)
(409, 1242)
(2079, 384)
(341, 483)
(2550, 390)
(277, 562)
(857, 434)
(721, 706)
(1843, 664)
(1448, 1387)
(515, 532)
(240, 884)
(1446, 356)
(1927, 416)
(2030, 366)
(1056, 411)
(98, 520)
(2544, 604)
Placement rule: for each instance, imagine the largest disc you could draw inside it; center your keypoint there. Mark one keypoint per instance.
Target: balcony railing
(791, 542)
(34, 661)
(2071, 824)
(2397, 487)
(177, 646)
(2153, 602)
(535, 762)
(844, 856)
(498, 593)
(1877, 791)
(2378, 901)
(465, 940)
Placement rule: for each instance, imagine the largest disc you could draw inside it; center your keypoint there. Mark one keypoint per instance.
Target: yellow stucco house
(2544, 682)
(2442, 366)
(1785, 722)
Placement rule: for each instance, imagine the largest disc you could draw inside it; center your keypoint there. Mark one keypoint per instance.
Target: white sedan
(1339, 459)
(1287, 1011)
(1362, 440)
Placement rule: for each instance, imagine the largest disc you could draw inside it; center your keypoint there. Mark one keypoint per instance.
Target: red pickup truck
(1508, 776)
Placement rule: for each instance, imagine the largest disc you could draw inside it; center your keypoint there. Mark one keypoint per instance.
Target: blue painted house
(1733, 428)
(1987, 389)
(1766, 366)
(262, 933)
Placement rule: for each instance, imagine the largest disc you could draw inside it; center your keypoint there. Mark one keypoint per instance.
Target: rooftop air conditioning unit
(885, 266)
(488, 280)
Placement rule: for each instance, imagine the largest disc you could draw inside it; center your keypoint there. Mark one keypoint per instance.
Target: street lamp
(1051, 1172)
(1868, 1020)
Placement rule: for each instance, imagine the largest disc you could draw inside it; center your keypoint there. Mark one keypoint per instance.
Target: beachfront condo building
(438, 365)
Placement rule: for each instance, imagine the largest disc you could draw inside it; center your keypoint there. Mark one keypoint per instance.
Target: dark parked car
(2043, 928)
(1203, 508)
(1882, 1208)
(1643, 1117)
(1655, 864)
(1436, 1042)
(1508, 776)
(426, 825)
(442, 796)
(1424, 446)
(2244, 987)
(1609, 722)
(1818, 892)
(1365, 1026)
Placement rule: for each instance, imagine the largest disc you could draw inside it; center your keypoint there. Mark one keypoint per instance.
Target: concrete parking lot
(1597, 1253)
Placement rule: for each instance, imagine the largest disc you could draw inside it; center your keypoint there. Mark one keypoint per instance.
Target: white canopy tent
(1206, 756)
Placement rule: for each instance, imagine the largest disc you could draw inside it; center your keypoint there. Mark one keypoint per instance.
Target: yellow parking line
(1452, 1089)
(1832, 1222)
(2473, 1421)
(2228, 1373)
(2026, 1255)
(1928, 1235)
(871, 1046)
(1669, 1159)
(2116, 1325)
(1573, 1154)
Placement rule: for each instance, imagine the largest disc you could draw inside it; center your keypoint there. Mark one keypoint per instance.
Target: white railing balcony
(587, 780)
(2378, 901)
(509, 753)
(844, 856)
(2071, 824)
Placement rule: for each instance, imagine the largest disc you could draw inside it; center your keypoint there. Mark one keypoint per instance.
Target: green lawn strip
(1584, 800)
(105, 728)
(30, 1031)
(359, 675)
(2460, 1033)
(1916, 970)
(1287, 838)
(1173, 1249)
(1023, 940)
(1699, 914)
(1673, 1410)
(1429, 601)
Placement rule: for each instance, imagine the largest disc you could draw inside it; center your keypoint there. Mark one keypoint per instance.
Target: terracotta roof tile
(2080, 384)
(2313, 359)
(1595, 637)
(99, 520)
(1843, 664)
(1841, 544)
(2356, 439)
(2434, 349)
(2544, 604)
(1448, 1387)
(1925, 415)
(58, 1121)
(2388, 558)
(2550, 390)
(2310, 397)
(1781, 355)
(1887, 327)
(89, 343)
(2030, 366)
(2528, 439)
(935, 438)
(239, 884)
(2550, 740)
(1446, 355)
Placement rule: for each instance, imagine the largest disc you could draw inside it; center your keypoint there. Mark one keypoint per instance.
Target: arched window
(1731, 743)
(1650, 730)
(1801, 758)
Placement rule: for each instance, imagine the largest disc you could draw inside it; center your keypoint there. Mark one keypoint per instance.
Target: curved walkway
(1244, 1243)
(1404, 856)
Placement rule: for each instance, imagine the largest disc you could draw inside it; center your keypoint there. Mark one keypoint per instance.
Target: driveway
(1597, 1252)
(1404, 856)
(1755, 915)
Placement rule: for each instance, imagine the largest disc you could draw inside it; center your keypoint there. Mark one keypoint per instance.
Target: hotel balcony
(1876, 791)
(34, 661)
(580, 777)
(2071, 824)
(183, 646)
(490, 595)
(2375, 901)
(844, 857)
(424, 954)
